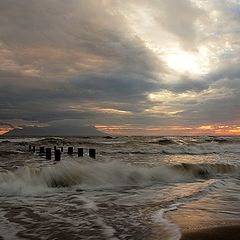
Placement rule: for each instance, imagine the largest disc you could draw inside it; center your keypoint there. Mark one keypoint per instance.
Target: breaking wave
(71, 173)
(196, 140)
(198, 149)
(189, 149)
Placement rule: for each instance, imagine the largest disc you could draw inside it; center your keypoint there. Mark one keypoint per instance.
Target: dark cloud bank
(60, 128)
(74, 59)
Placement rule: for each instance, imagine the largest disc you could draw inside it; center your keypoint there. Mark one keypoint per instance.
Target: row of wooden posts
(58, 151)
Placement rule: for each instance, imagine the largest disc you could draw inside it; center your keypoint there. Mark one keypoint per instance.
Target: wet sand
(216, 233)
(198, 221)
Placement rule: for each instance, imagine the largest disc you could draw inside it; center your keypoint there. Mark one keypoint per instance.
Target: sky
(153, 67)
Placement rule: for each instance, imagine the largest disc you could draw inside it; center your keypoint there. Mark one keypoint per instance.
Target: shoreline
(207, 219)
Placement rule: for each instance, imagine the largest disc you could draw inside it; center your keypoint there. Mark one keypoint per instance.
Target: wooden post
(30, 148)
(80, 152)
(70, 150)
(48, 153)
(92, 153)
(55, 148)
(57, 155)
(41, 150)
(61, 149)
(33, 148)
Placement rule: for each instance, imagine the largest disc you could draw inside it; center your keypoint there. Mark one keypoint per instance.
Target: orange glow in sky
(4, 130)
(171, 130)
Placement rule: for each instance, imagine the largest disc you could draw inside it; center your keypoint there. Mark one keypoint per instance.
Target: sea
(126, 192)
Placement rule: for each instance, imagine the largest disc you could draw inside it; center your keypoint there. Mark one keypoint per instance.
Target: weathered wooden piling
(33, 148)
(61, 149)
(80, 152)
(55, 148)
(70, 150)
(48, 153)
(41, 150)
(57, 154)
(30, 148)
(92, 153)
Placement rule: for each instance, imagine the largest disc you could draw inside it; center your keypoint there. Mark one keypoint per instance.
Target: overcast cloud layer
(126, 67)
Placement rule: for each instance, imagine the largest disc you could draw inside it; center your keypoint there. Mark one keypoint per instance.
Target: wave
(174, 149)
(53, 140)
(71, 173)
(10, 152)
(70, 141)
(206, 170)
(164, 141)
(196, 140)
(198, 149)
(228, 139)
(112, 142)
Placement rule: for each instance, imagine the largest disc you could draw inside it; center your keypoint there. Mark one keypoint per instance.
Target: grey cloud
(65, 127)
(50, 103)
(229, 71)
(178, 18)
(225, 109)
(58, 54)
(59, 39)
(84, 26)
(187, 84)
(214, 112)
(45, 36)
(6, 124)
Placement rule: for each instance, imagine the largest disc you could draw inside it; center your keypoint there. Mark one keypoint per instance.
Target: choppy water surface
(123, 194)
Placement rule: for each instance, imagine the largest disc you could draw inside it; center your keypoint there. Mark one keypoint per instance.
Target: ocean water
(125, 193)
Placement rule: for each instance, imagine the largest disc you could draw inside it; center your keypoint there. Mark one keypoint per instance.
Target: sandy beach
(196, 222)
(216, 233)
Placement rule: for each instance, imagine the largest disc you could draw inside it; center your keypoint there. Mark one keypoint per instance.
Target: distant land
(58, 128)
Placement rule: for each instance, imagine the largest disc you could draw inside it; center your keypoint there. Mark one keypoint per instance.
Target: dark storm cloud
(50, 102)
(83, 60)
(6, 124)
(187, 84)
(41, 39)
(227, 71)
(220, 104)
(85, 26)
(209, 112)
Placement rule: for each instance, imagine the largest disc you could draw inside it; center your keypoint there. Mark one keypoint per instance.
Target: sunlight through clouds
(122, 63)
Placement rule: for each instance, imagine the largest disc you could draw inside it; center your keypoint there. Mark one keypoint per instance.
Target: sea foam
(104, 175)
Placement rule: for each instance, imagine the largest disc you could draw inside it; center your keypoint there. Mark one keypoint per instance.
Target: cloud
(4, 124)
(66, 127)
(100, 61)
(180, 18)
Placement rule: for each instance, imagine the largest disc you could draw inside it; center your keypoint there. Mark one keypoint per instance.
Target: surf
(108, 174)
